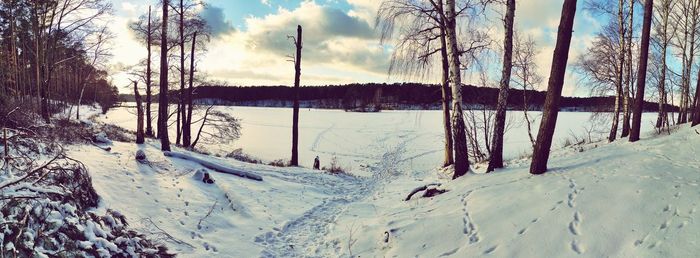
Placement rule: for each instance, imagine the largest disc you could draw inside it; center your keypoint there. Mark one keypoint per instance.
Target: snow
(597, 200)
(356, 138)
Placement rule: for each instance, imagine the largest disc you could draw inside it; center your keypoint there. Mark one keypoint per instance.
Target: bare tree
(186, 126)
(220, 127)
(496, 160)
(620, 99)
(419, 26)
(525, 72)
(540, 155)
(139, 115)
(149, 43)
(163, 96)
(298, 43)
(686, 18)
(663, 40)
(461, 165)
(642, 73)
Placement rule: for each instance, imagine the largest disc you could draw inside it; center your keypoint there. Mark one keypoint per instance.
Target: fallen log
(419, 189)
(213, 166)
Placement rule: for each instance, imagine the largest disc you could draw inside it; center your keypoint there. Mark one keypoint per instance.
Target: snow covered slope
(598, 200)
(230, 218)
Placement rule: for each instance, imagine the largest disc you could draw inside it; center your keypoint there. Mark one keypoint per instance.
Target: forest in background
(383, 96)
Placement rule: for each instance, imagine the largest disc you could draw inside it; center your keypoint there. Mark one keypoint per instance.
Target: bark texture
(149, 128)
(499, 127)
(163, 96)
(540, 155)
(642, 73)
(461, 165)
(297, 74)
(139, 115)
(449, 149)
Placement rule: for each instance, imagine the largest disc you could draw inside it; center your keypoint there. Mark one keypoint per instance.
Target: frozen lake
(361, 139)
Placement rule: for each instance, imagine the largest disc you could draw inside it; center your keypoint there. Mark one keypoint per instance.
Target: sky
(341, 45)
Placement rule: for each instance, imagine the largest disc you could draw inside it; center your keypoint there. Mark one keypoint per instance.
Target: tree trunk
(499, 127)
(642, 73)
(628, 82)
(696, 107)
(181, 102)
(187, 125)
(461, 165)
(298, 42)
(163, 96)
(449, 151)
(139, 115)
(149, 128)
(540, 155)
(620, 98)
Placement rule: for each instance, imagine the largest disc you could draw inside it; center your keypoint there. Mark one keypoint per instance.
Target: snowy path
(305, 236)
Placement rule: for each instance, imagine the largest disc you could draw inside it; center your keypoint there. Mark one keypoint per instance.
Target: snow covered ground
(598, 200)
(358, 138)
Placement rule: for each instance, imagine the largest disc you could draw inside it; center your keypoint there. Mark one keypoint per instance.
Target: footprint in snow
(491, 250)
(577, 247)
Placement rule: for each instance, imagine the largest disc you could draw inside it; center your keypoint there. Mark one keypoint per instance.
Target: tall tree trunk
(696, 107)
(620, 98)
(445, 89)
(662, 119)
(628, 82)
(540, 155)
(502, 105)
(187, 125)
(149, 128)
(181, 102)
(163, 96)
(139, 115)
(642, 73)
(459, 136)
(662, 116)
(688, 105)
(298, 42)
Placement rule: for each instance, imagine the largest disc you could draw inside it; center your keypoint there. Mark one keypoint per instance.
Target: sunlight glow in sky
(340, 42)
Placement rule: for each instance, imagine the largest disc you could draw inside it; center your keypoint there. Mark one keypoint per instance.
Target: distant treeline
(376, 96)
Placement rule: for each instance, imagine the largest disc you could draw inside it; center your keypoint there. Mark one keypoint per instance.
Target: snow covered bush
(46, 209)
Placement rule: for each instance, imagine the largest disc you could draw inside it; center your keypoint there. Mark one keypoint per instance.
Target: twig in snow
(351, 240)
(165, 234)
(208, 214)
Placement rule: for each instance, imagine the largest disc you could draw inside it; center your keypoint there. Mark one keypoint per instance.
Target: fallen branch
(213, 166)
(419, 189)
(148, 221)
(208, 214)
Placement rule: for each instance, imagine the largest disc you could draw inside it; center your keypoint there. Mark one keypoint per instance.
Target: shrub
(279, 163)
(335, 167)
(239, 155)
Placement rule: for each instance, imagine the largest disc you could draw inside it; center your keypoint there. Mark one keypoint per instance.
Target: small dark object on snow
(386, 236)
(433, 192)
(141, 156)
(430, 191)
(207, 179)
(317, 163)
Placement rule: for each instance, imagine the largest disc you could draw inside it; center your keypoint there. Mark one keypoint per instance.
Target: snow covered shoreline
(598, 200)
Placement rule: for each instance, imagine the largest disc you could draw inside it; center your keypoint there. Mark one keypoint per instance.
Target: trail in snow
(305, 236)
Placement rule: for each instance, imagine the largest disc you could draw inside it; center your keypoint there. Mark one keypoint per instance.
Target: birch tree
(496, 160)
